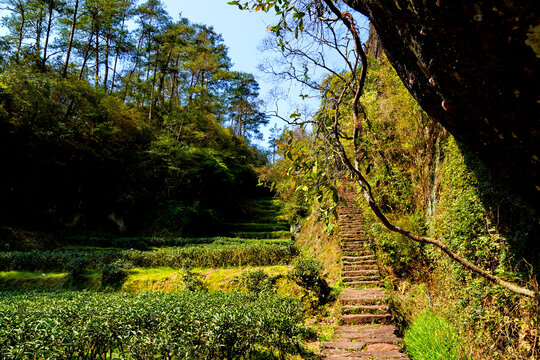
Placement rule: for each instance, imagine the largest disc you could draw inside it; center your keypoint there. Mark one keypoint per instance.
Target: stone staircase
(365, 332)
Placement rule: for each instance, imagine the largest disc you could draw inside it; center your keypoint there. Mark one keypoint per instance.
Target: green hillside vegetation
(110, 129)
(424, 181)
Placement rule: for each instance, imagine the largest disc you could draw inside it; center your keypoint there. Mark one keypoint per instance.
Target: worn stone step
(360, 267)
(365, 318)
(357, 261)
(364, 309)
(357, 258)
(356, 253)
(347, 273)
(347, 345)
(342, 354)
(368, 334)
(355, 247)
(370, 296)
(363, 284)
(350, 279)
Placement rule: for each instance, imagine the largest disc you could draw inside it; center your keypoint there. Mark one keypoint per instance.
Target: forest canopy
(114, 116)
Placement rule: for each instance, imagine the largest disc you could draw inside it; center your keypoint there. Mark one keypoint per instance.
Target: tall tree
(244, 106)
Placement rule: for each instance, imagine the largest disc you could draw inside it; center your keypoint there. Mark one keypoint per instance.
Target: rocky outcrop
(473, 66)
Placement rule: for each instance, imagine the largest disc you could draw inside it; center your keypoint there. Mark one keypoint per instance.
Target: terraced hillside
(267, 221)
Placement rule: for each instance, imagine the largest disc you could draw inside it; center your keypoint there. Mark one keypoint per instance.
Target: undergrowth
(430, 337)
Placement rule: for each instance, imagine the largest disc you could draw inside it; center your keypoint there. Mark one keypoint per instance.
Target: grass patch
(26, 280)
(431, 337)
(169, 280)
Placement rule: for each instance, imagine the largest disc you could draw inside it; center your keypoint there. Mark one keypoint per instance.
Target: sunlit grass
(27, 280)
(431, 337)
(168, 279)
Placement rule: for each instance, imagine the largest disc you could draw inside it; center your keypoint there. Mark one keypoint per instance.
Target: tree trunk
(47, 34)
(96, 80)
(21, 32)
(70, 42)
(39, 27)
(106, 62)
(86, 54)
(117, 53)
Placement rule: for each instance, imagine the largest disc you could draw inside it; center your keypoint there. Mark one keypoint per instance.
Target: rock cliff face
(474, 67)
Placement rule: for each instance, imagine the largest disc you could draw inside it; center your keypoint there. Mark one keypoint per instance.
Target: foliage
(115, 273)
(251, 253)
(256, 281)
(76, 267)
(121, 128)
(194, 325)
(431, 337)
(404, 257)
(192, 281)
(308, 274)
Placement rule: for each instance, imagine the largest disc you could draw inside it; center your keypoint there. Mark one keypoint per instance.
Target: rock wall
(473, 67)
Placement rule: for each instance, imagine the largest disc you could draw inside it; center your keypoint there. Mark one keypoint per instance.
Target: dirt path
(365, 332)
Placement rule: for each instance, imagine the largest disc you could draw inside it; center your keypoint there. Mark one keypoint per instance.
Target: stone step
(354, 267)
(357, 261)
(372, 296)
(351, 279)
(355, 247)
(364, 309)
(356, 253)
(346, 345)
(392, 353)
(365, 318)
(347, 273)
(368, 334)
(357, 258)
(363, 284)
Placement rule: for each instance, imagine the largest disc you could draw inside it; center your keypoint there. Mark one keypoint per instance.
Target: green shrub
(400, 253)
(256, 281)
(192, 281)
(76, 266)
(116, 273)
(308, 274)
(431, 337)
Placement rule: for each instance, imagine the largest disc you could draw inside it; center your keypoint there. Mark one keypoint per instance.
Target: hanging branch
(348, 21)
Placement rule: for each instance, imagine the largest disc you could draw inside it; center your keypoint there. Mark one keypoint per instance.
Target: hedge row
(185, 325)
(214, 255)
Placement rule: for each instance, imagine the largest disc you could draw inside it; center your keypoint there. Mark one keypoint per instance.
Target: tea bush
(256, 281)
(252, 253)
(116, 273)
(184, 325)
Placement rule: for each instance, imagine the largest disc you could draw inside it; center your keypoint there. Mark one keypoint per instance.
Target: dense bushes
(116, 273)
(214, 255)
(76, 158)
(185, 325)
